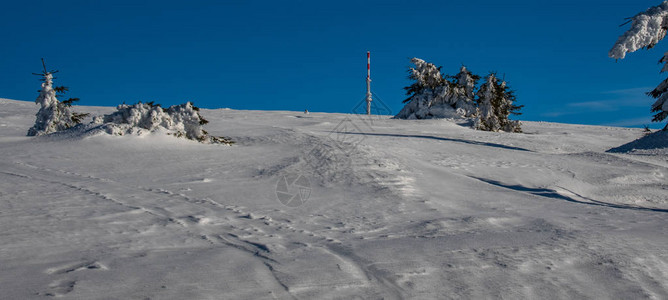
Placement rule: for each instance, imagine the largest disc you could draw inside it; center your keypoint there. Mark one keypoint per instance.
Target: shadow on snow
(548, 193)
(442, 139)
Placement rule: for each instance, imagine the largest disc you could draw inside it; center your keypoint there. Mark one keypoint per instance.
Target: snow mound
(651, 144)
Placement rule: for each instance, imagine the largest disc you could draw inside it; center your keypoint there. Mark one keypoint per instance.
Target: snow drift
(652, 144)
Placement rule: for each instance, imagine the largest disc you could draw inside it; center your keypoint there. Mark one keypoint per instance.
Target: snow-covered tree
(647, 29)
(486, 113)
(427, 76)
(496, 102)
(505, 101)
(430, 95)
(660, 106)
(463, 90)
(53, 115)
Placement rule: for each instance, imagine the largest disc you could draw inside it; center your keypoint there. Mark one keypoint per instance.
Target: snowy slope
(397, 209)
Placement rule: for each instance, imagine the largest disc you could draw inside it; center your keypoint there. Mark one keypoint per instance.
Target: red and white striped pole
(368, 83)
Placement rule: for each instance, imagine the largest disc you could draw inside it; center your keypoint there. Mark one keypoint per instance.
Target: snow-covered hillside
(393, 209)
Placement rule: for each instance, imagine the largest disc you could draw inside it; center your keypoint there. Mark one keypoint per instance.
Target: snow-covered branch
(647, 29)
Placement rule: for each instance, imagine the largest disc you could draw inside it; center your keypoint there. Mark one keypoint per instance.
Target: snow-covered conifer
(647, 29)
(660, 106)
(496, 102)
(486, 113)
(433, 95)
(505, 106)
(464, 85)
(427, 77)
(53, 115)
(430, 95)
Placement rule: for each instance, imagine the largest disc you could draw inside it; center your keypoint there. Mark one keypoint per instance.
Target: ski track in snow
(401, 209)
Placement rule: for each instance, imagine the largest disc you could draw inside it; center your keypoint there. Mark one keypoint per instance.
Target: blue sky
(296, 55)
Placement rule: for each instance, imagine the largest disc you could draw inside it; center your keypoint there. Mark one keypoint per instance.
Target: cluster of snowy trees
(182, 120)
(647, 29)
(434, 95)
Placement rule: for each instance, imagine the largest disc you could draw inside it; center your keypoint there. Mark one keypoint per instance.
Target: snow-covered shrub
(647, 29)
(132, 119)
(187, 121)
(181, 120)
(53, 115)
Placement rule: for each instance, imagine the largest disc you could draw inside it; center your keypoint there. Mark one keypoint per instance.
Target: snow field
(408, 209)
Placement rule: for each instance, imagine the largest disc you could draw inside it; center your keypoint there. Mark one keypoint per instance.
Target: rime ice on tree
(53, 115)
(647, 29)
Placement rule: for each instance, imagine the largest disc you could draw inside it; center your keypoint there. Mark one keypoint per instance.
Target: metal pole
(368, 83)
